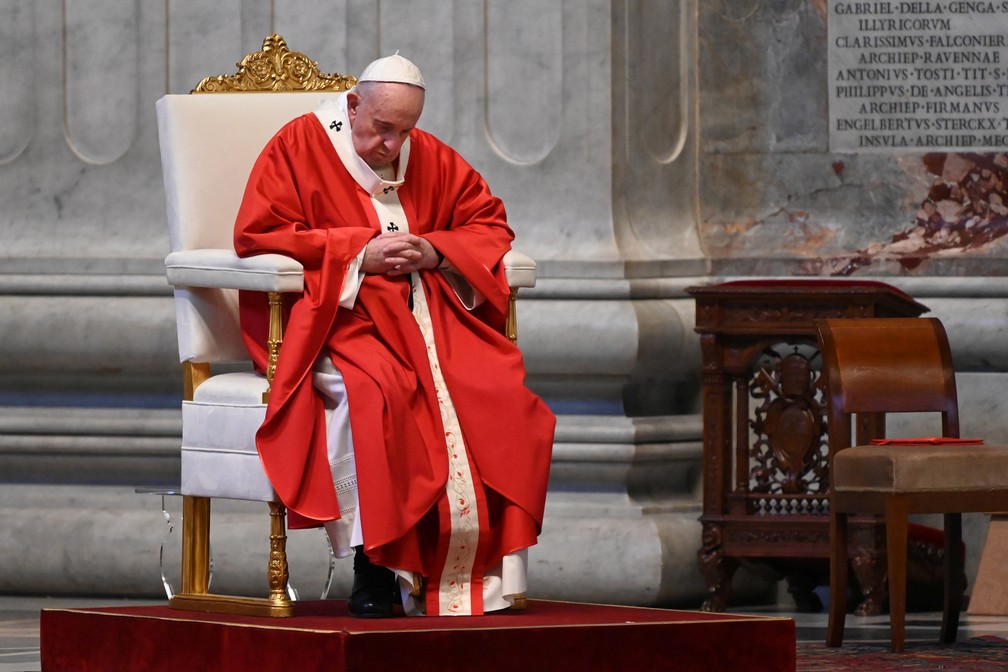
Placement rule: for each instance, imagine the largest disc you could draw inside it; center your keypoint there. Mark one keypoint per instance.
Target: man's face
(381, 116)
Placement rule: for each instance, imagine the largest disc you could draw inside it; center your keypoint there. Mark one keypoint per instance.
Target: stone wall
(641, 148)
(554, 102)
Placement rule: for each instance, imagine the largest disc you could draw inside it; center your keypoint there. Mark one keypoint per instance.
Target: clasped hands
(398, 254)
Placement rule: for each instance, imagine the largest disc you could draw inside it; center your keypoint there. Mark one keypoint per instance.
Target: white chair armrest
(519, 269)
(224, 269)
(277, 273)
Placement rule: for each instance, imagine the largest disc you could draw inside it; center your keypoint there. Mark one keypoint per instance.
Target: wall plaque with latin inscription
(918, 76)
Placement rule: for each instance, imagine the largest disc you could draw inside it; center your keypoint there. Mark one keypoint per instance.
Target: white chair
(208, 146)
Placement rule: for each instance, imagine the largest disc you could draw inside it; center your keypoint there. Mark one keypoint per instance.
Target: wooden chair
(883, 366)
(208, 146)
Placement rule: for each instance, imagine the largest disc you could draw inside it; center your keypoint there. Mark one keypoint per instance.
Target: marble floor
(19, 631)
(19, 627)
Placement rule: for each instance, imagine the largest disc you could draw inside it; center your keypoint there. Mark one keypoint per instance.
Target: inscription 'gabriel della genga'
(925, 16)
(903, 8)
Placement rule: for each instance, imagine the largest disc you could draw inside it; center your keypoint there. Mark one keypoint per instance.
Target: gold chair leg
(278, 573)
(274, 339)
(195, 593)
(419, 591)
(195, 545)
(511, 325)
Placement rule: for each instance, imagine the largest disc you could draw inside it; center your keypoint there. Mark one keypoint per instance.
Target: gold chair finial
(276, 68)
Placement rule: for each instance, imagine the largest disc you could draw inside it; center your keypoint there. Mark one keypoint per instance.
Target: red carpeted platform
(554, 636)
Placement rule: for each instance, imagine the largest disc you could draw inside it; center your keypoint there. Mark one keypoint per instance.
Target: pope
(399, 417)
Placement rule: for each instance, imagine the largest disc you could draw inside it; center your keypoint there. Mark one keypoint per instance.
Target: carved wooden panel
(788, 454)
(766, 457)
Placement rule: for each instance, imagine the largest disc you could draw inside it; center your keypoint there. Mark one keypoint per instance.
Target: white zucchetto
(393, 68)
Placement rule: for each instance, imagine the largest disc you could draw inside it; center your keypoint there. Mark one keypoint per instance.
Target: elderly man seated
(398, 416)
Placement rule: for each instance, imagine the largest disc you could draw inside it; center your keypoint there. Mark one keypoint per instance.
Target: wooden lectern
(766, 457)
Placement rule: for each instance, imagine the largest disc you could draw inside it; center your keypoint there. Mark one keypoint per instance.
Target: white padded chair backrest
(209, 142)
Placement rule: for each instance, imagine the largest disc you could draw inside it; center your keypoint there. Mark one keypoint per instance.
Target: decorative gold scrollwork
(276, 68)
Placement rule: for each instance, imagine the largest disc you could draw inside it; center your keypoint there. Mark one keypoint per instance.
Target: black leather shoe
(373, 591)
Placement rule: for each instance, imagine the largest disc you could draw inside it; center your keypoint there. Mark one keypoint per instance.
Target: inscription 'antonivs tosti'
(918, 76)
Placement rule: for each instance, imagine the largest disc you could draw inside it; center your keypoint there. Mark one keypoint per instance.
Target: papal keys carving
(789, 457)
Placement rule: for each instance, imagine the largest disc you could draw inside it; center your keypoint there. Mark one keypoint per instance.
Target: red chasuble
(302, 202)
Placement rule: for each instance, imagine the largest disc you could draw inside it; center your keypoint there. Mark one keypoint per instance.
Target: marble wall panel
(654, 138)
(204, 38)
(556, 182)
(100, 129)
(633, 357)
(315, 27)
(81, 180)
(424, 31)
(774, 200)
(16, 47)
(763, 132)
(524, 63)
(77, 348)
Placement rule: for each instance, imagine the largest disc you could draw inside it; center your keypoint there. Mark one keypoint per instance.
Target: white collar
(332, 114)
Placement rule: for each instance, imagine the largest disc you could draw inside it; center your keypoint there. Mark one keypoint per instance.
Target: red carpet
(554, 636)
(980, 654)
